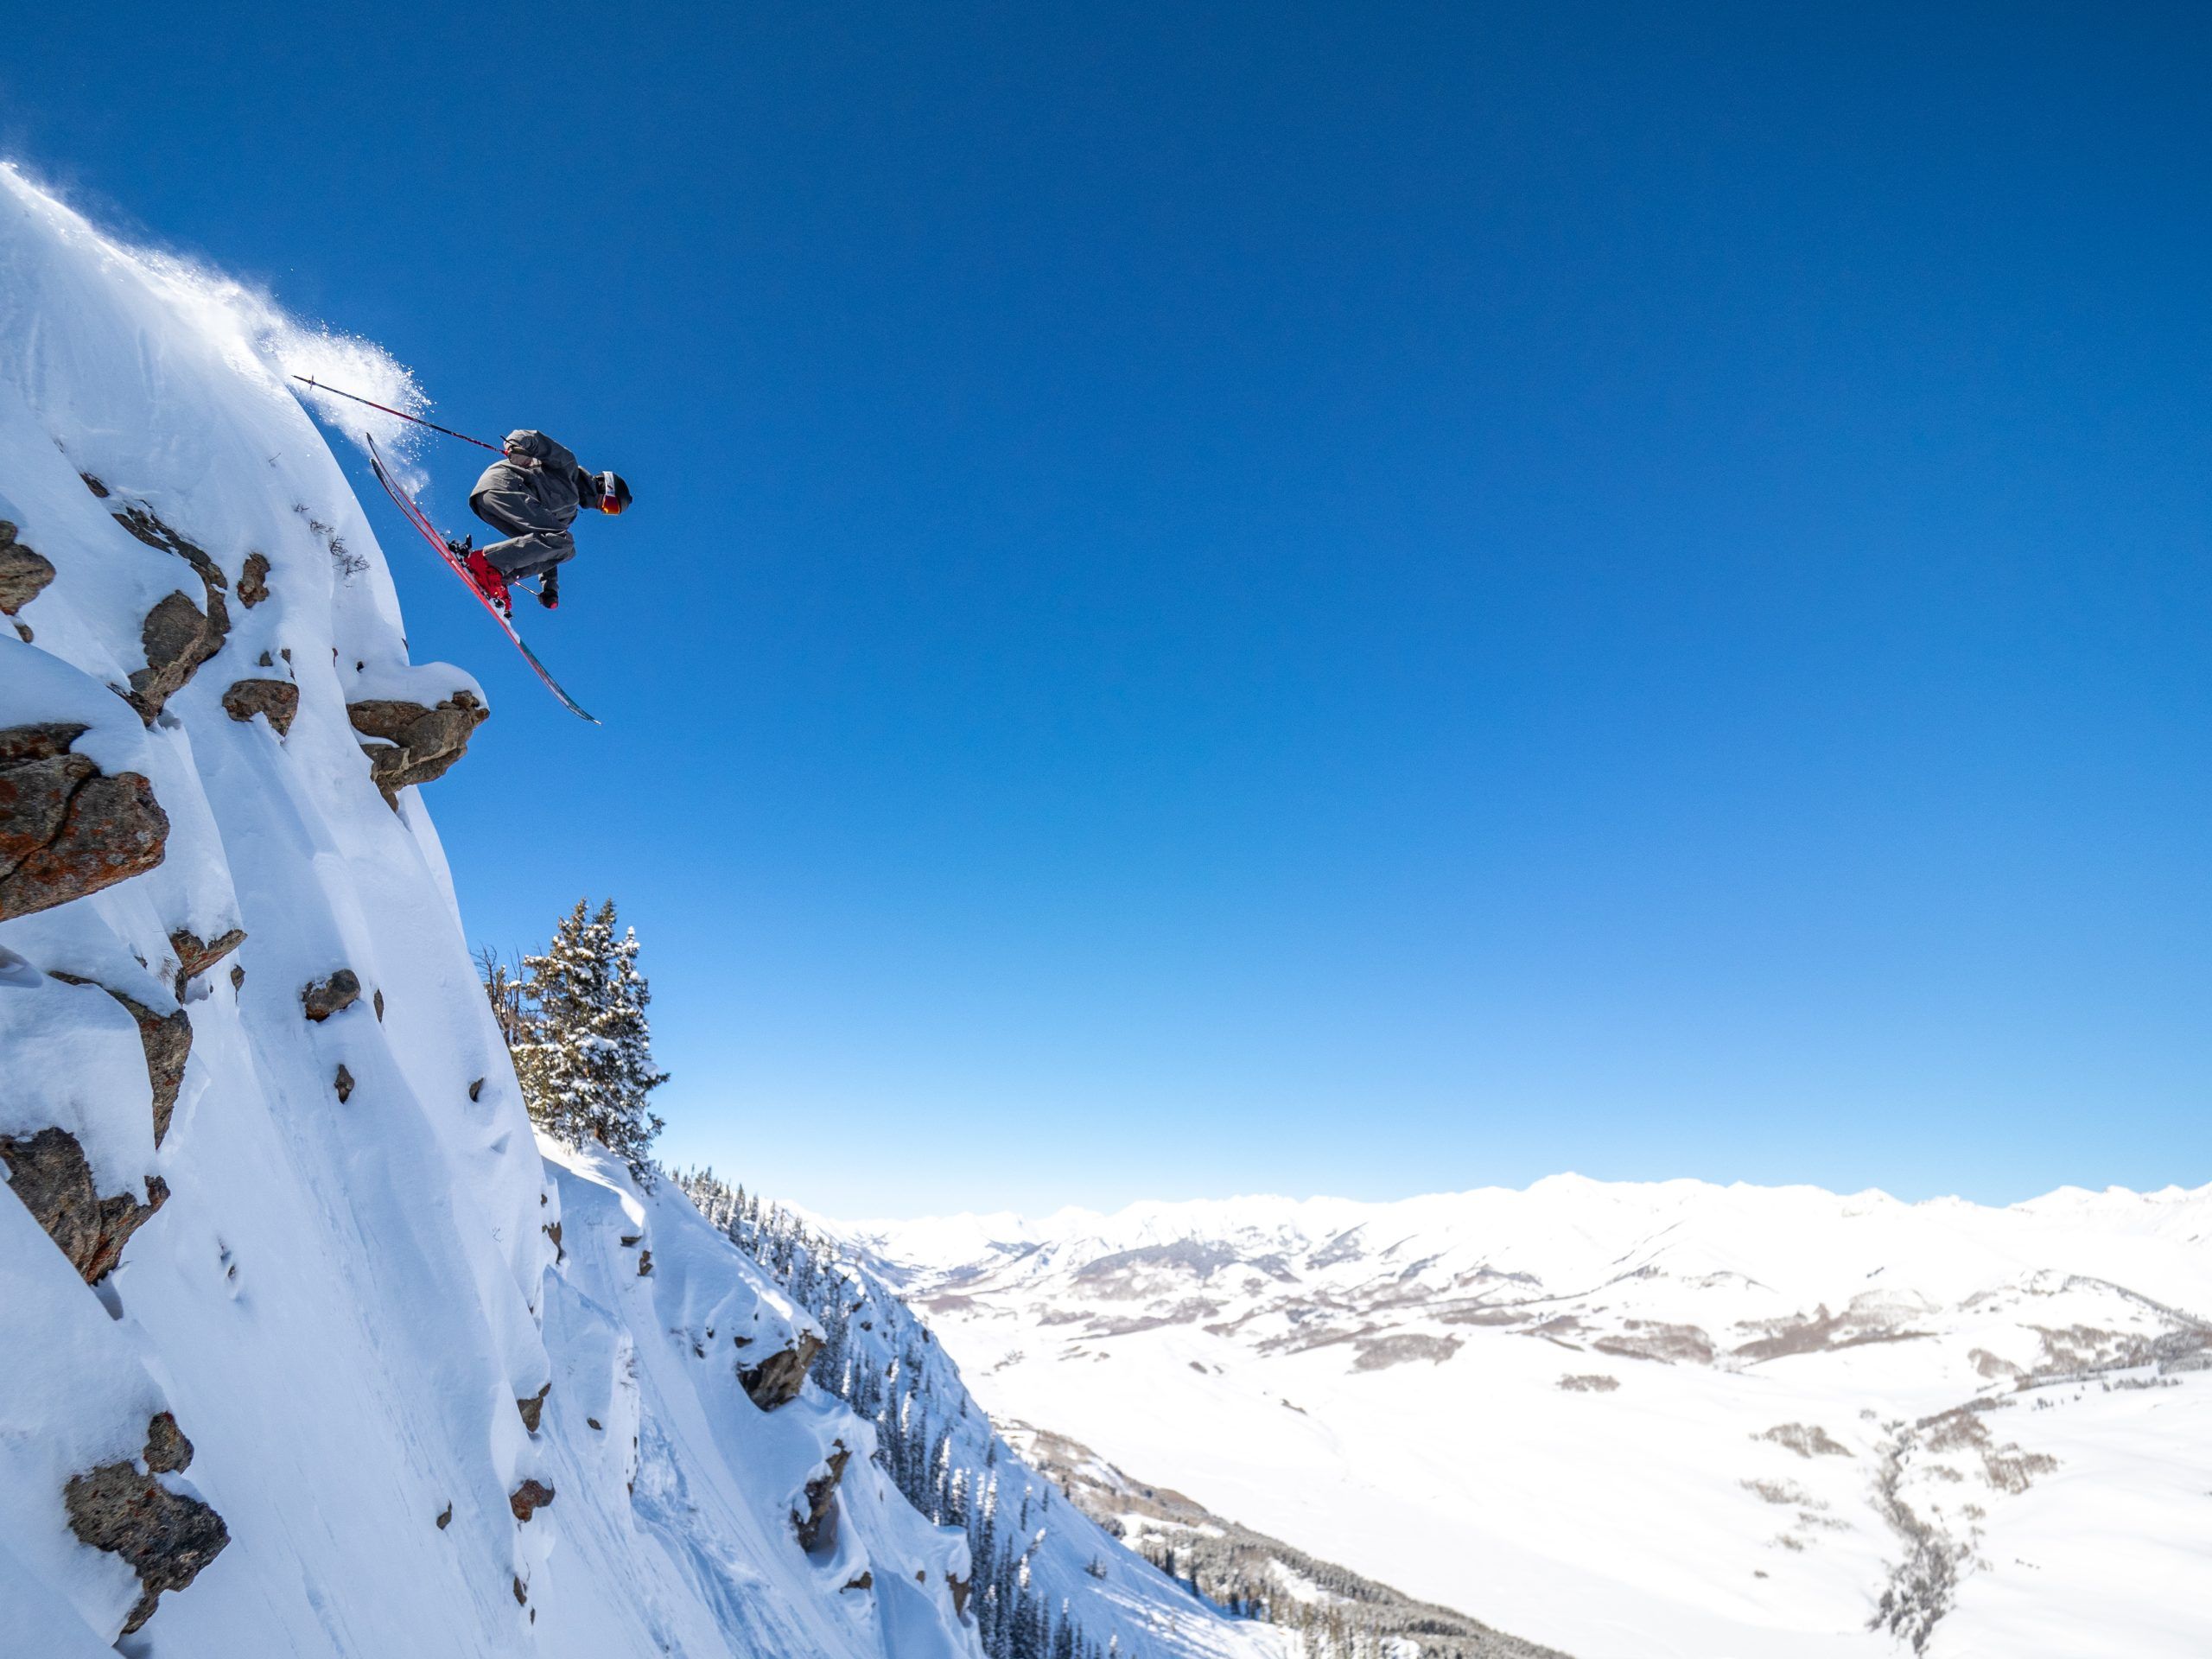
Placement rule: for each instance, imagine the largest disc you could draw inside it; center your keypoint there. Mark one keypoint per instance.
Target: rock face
(253, 582)
(324, 997)
(533, 1408)
(165, 1537)
(166, 1039)
(178, 637)
(528, 1498)
(49, 1172)
(23, 573)
(195, 956)
(817, 1527)
(415, 744)
(278, 699)
(775, 1381)
(66, 828)
(167, 1450)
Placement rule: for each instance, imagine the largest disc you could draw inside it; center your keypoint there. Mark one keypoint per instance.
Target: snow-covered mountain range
(308, 1347)
(1632, 1421)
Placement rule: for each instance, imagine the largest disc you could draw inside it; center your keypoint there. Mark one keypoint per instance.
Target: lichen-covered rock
(177, 638)
(48, 1173)
(67, 829)
(164, 1537)
(528, 1498)
(279, 700)
(775, 1381)
(324, 997)
(415, 744)
(23, 573)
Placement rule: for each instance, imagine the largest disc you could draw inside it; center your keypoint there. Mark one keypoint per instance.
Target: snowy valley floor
(1635, 1421)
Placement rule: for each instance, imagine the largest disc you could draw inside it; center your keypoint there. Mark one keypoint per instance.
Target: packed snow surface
(449, 1390)
(1631, 1420)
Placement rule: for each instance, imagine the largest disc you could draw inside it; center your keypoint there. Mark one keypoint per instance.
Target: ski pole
(310, 380)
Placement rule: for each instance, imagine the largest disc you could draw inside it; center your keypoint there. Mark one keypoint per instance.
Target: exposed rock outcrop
(415, 744)
(775, 1381)
(278, 699)
(168, 1452)
(324, 997)
(48, 1173)
(166, 1039)
(67, 829)
(343, 1083)
(141, 521)
(195, 956)
(817, 1527)
(177, 638)
(253, 581)
(179, 635)
(23, 573)
(528, 1498)
(533, 1408)
(165, 1537)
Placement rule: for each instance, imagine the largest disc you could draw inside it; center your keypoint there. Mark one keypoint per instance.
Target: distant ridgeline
(1047, 1521)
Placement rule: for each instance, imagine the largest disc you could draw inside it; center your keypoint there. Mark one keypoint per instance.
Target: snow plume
(256, 335)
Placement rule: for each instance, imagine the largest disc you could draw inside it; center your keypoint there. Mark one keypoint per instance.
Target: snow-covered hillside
(1645, 1419)
(308, 1347)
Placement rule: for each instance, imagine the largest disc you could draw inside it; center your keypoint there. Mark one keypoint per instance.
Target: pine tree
(586, 1062)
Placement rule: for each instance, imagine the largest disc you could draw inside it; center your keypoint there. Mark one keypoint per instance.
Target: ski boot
(489, 582)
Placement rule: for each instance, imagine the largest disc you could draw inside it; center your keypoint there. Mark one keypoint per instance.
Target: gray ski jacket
(540, 492)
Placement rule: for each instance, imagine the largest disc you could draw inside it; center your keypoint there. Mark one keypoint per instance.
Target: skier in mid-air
(531, 495)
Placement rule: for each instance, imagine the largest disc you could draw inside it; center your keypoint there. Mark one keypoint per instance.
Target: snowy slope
(1640, 1420)
(1030, 1544)
(308, 1347)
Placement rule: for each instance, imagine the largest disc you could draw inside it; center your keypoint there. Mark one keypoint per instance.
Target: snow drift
(307, 1346)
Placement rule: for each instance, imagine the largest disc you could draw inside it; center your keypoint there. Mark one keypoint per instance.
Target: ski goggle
(609, 502)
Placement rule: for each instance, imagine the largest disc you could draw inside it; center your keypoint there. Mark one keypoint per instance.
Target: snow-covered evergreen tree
(585, 1061)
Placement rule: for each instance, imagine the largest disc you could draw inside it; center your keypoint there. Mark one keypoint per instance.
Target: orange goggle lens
(610, 504)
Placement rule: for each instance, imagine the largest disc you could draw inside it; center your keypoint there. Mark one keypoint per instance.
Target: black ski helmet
(613, 493)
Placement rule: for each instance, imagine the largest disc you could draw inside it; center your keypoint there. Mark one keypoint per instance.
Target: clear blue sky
(1300, 598)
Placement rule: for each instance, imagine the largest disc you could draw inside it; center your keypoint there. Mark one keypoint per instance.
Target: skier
(531, 494)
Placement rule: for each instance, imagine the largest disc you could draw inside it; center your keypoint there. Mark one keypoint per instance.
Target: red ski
(493, 599)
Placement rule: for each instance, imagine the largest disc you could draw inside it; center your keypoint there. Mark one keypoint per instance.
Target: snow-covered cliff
(307, 1346)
